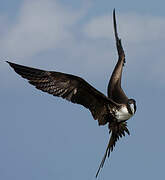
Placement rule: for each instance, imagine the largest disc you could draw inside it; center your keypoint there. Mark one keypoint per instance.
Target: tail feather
(117, 130)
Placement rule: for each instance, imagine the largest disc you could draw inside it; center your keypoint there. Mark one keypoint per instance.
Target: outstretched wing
(69, 87)
(116, 130)
(115, 91)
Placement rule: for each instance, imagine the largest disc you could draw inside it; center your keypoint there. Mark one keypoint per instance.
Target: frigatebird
(114, 109)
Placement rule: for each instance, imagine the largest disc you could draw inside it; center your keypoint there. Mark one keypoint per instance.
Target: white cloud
(44, 26)
(99, 27)
(143, 37)
(133, 27)
(40, 25)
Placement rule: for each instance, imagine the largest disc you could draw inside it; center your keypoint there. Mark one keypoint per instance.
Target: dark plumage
(114, 109)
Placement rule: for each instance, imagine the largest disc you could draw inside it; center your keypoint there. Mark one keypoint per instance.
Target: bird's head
(131, 105)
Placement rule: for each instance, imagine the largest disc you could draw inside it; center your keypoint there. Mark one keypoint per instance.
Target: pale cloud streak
(40, 25)
(135, 28)
(43, 26)
(142, 37)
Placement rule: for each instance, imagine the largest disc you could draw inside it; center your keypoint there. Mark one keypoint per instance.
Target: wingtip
(10, 63)
(13, 65)
(114, 15)
(114, 25)
(114, 11)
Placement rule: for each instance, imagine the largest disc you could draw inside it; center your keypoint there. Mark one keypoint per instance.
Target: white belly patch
(123, 114)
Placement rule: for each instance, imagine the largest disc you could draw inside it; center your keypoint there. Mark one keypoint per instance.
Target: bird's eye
(130, 101)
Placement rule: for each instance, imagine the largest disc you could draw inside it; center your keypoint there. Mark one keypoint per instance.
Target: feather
(69, 87)
(116, 130)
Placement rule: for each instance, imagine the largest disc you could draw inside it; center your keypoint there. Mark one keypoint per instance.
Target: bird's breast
(122, 114)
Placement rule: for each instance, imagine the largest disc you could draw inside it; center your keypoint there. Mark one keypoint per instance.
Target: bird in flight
(114, 109)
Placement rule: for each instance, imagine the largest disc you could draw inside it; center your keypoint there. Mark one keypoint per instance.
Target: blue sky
(43, 137)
